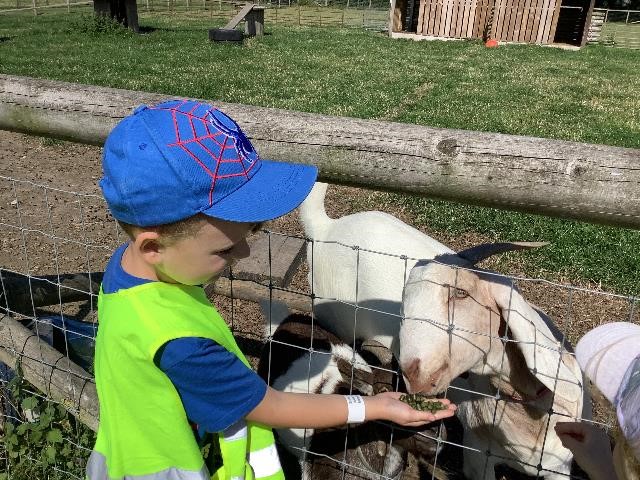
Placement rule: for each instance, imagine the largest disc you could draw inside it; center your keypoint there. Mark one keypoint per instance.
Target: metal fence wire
(612, 28)
(55, 245)
(370, 14)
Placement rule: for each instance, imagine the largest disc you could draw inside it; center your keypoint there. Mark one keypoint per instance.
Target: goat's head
(457, 320)
(450, 321)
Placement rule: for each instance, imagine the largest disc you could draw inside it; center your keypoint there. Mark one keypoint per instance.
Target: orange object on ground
(491, 43)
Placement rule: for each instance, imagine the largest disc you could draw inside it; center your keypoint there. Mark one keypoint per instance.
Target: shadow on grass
(145, 30)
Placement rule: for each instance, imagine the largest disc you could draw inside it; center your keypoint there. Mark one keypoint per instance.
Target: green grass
(621, 34)
(577, 251)
(590, 95)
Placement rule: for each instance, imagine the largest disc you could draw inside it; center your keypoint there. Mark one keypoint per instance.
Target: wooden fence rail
(50, 371)
(594, 183)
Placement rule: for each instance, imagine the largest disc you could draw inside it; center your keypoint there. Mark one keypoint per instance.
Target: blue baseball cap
(171, 161)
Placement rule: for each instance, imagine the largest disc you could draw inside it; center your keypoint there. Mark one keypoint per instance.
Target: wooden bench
(253, 15)
(274, 258)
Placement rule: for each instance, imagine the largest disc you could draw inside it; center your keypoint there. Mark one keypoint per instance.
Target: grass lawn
(590, 95)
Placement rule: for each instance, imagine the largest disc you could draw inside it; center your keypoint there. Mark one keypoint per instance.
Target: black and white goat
(302, 357)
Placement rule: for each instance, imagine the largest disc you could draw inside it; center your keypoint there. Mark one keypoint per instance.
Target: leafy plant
(97, 24)
(37, 443)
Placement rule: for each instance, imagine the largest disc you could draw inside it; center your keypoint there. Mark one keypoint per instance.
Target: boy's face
(198, 259)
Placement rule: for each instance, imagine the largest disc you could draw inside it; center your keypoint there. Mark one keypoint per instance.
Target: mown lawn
(590, 95)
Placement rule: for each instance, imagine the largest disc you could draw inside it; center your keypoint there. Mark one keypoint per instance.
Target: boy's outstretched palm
(401, 413)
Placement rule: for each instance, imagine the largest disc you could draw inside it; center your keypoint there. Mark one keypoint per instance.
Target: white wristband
(355, 405)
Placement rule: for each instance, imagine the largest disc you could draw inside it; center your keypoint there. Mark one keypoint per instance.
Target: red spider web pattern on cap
(200, 139)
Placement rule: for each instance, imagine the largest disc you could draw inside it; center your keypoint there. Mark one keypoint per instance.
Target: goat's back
(364, 258)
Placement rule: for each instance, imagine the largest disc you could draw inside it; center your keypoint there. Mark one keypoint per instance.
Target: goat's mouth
(429, 382)
(427, 388)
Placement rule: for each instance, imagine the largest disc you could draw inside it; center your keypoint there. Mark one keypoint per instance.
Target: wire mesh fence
(615, 28)
(459, 331)
(373, 14)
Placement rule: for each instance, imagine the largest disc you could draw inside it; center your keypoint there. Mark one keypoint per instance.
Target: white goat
(371, 450)
(370, 276)
(458, 321)
(359, 295)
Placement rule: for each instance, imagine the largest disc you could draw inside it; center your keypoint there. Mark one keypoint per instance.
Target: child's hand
(388, 406)
(590, 447)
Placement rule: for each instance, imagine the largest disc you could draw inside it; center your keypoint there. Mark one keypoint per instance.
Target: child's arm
(590, 447)
(302, 410)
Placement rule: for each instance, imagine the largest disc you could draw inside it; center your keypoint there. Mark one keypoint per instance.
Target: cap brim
(274, 190)
(605, 353)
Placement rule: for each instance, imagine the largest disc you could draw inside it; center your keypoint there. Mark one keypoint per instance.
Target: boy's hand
(590, 447)
(388, 406)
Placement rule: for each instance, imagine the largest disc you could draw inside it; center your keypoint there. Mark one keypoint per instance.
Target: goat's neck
(507, 371)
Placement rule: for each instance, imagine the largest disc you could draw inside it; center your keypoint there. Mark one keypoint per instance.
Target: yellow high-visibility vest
(144, 431)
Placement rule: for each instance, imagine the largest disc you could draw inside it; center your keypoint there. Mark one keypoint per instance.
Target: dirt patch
(55, 221)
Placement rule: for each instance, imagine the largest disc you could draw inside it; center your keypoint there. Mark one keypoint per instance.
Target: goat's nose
(411, 370)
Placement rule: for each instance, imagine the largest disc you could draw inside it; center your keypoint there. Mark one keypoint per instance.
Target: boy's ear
(149, 247)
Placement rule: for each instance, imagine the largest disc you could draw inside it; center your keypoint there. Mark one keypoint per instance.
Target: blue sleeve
(216, 388)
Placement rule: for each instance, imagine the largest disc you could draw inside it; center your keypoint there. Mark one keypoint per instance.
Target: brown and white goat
(522, 376)
(306, 358)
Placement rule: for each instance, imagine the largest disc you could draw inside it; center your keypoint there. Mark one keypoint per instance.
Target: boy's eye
(224, 252)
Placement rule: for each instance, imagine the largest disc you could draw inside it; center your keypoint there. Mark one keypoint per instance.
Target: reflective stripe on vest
(97, 469)
(265, 462)
(134, 441)
(261, 454)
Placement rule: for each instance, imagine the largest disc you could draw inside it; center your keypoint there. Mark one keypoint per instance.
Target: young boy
(187, 186)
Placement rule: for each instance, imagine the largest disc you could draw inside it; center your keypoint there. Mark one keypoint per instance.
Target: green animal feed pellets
(420, 402)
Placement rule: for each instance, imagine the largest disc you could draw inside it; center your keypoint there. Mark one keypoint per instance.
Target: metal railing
(615, 28)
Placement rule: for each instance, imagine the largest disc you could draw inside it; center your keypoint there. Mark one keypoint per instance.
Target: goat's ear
(538, 344)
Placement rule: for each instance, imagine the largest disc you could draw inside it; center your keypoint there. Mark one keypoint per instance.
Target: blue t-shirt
(215, 387)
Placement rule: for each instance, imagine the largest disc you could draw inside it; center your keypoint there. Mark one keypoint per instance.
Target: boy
(187, 186)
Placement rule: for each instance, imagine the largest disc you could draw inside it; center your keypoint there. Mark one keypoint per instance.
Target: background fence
(372, 14)
(615, 28)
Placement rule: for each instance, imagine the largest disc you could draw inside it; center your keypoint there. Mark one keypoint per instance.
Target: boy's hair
(170, 232)
(181, 158)
(175, 231)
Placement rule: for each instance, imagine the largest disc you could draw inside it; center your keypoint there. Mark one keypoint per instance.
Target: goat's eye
(460, 293)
